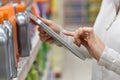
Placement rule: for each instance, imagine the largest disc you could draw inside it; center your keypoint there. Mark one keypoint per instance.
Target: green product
(94, 8)
(94, 1)
(28, 78)
(41, 59)
(43, 56)
(44, 47)
(40, 69)
(34, 74)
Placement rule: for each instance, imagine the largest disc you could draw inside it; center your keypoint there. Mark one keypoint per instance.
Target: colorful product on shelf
(41, 59)
(23, 30)
(75, 12)
(34, 74)
(39, 63)
(5, 2)
(40, 0)
(41, 6)
(38, 9)
(94, 1)
(78, 12)
(28, 77)
(94, 6)
(17, 1)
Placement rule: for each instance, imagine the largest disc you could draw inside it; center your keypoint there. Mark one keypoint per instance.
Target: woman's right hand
(45, 37)
(76, 35)
(87, 37)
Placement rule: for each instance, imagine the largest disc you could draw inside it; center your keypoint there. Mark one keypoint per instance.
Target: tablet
(72, 47)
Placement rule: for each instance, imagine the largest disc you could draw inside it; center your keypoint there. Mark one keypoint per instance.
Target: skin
(86, 36)
(43, 35)
(82, 36)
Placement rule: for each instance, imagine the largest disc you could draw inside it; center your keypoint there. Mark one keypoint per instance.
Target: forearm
(110, 59)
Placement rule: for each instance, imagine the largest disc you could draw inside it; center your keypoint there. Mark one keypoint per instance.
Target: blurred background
(60, 64)
(45, 61)
(70, 14)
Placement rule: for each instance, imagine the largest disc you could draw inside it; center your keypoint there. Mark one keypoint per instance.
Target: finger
(41, 30)
(47, 22)
(50, 40)
(89, 33)
(77, 38)
(87, 30)
(68, 33)
(77, 43)
(43, 39)
(44, 35)
(77, 35)
(31, 21)
(79, 32)
(84, 42)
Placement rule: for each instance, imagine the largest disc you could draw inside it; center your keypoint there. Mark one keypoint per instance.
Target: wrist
(100, 52)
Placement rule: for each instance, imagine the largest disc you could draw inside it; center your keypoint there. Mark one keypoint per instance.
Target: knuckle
(79, 29)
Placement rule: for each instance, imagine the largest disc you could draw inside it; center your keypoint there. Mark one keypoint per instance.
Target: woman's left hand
(90, 40)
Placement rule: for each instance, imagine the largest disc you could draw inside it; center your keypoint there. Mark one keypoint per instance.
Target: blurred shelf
(48, 65)
(25, 63)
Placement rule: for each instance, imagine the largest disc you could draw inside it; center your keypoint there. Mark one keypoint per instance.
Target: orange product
(40, 0)
(11, 18)
(10, 10)
(16, 1)
(1, 18)
(20, 8)
(4, 2)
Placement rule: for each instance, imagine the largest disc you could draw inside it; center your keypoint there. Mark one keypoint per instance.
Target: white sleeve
(110, 59)
(82, 49)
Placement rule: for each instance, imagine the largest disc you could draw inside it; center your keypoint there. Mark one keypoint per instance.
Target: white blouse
(107, 27)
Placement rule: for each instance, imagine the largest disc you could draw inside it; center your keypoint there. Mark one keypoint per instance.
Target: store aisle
(75, 69)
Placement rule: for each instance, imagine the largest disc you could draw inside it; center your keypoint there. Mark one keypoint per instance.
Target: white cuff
(110, 59)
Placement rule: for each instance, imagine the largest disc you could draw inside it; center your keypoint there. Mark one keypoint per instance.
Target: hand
(77, 38)
(90, 40)
(45, 37)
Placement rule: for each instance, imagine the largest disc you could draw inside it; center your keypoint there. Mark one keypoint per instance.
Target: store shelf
(25, 63)
(46, 71)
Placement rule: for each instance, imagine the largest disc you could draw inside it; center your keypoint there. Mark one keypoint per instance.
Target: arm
(105, 56)
(110, 59)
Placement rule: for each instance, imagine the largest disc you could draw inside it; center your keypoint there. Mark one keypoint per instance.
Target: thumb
(68, 33)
